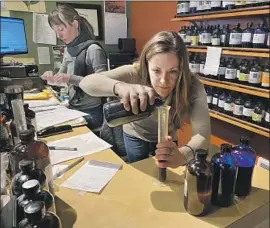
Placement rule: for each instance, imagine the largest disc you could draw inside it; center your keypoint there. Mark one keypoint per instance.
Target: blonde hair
(65, 14)
(170, 42)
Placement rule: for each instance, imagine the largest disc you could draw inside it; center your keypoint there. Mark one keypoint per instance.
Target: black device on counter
(49, 131)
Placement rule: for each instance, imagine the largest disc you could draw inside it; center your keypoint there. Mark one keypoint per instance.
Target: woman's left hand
(61, 78)
(168, 154)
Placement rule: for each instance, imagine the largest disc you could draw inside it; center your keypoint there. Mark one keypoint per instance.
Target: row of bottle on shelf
(246, 72)
(193, 7)
(252, 109)
(229, 173)
(236, 37)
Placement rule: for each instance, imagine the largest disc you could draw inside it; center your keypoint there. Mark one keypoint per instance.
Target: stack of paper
(43, 103)
(93, 176)
(86, 144)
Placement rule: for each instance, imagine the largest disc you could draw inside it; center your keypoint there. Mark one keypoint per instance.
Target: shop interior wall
(148, 18)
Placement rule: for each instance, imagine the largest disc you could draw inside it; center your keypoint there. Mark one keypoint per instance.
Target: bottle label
(215, 101)
(209, 99)
(215, 41)
(265, 79)
(258, 38)
(267, 117)
(207, 5)
(194, 67)
(206, 38)
(222, 38)
(221, 70)
(238, 110)
(254, 77)
(246, 37)
(243, 77)
(185, 188)
(235, 38)
(201, 68)
(200, 5)
(228, 107)
(221, 103)
(194, 40)
(193, 4)
(240, 3)
(215, 4)
(227, 3)
(230, 73)
(184, 7)
(188, 40)
(257, 117)
(248, 111)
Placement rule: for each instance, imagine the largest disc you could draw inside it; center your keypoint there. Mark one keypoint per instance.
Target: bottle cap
(26, 106)
(226, 148)
(27, 135)
(30, 187)
(245, 140)
(201, 154)
(26, 165)
(34, 211)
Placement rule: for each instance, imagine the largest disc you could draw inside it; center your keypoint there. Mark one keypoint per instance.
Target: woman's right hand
(48, 76)
(131, 93)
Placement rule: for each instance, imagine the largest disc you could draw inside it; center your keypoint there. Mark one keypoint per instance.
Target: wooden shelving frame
(236, 87)
(240, 123)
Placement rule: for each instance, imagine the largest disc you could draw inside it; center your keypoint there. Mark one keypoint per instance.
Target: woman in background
(83, 56)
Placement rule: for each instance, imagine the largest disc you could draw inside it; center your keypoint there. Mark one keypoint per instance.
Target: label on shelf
(267, 117)
(265, 79)
(194, 40)
(257, 117)
(254, 77)
(246, 37)
(209, 99)
(206, 38)
(215, 41)
(228, 107)
(201, 68)
(194, 67)
(230, 73)
(221, 103)
(243, 77)
(248, 111)
(235, 38)
(258, 38)
(238, 110)
(221, 70)
(215, 101)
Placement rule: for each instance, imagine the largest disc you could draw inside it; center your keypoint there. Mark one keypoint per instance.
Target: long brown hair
(165, 42)
(66, 14)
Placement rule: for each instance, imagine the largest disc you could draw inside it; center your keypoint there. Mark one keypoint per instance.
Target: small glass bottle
(257, 115)
(265, 77)
(221, 101)
(215, 99)
(231, 70)
(215, 5)
(238, 107)
(255, 74)
(209, 95)
(225, 36)
(260, 35)
(200, 6)
(184, 7)
(248, 110)
(224, 177)
(207, 6)
(195, 64)
(194, 37)
(37, 217)
(188, 34)
(182, 33)
(236, 36)
(206, 36)
(244, 71)
(31, 192)
(215, 39)
(228, 105)
(221, 69)
(245, 157)
(247, 36)
(202, 63)
(198, 185)
(28, 172)
(266, 119)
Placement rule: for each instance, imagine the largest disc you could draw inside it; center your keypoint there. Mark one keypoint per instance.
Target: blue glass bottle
(224, 177)
(245, 157)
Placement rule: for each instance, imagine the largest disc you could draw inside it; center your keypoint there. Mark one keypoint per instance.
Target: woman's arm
(200, 121)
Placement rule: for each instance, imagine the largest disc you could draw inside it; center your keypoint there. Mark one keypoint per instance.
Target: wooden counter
(135, 199)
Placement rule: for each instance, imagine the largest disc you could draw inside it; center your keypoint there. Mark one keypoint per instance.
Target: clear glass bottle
(255, 74)
(238, 107)
(194, 65)
(231, 70)
(228, 105)
(248, 110)
(198, 185)
(257, 115)
(194, 37)
(245, 157)
(247, 36)
(225, 36)
(37, 217)
(236, 36)
(260, 36)
(215, 39)
(224, 177)
(206, 36)
(244, 72)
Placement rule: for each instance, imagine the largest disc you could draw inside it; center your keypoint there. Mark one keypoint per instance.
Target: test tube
(163, 128)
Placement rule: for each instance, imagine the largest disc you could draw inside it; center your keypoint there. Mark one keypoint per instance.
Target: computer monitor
(13, 38)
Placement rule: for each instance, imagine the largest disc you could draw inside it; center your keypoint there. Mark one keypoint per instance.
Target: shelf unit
(225, 14)
(236, 87)
(260, 11)
(247, 52)
(240, 123)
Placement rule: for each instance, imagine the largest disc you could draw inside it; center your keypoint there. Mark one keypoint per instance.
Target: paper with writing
(212, 60)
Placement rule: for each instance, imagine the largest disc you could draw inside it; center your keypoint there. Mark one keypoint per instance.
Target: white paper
(42, 103)
(58, 168)
(86, 144)
(212, 60)
(46, 108)
(43, 55)
(112, 32)
(56, 116)
(93, 176)
(42, 32)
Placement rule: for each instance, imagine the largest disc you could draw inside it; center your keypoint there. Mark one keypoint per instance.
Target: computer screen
(13, 37)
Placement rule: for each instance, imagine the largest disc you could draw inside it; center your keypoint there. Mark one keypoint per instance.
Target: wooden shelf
(247, 52)
(240, 123)
(236, 87)
(242, 12)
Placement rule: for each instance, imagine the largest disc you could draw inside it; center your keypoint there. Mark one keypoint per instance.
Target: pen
(62, 148)
(61, 172)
